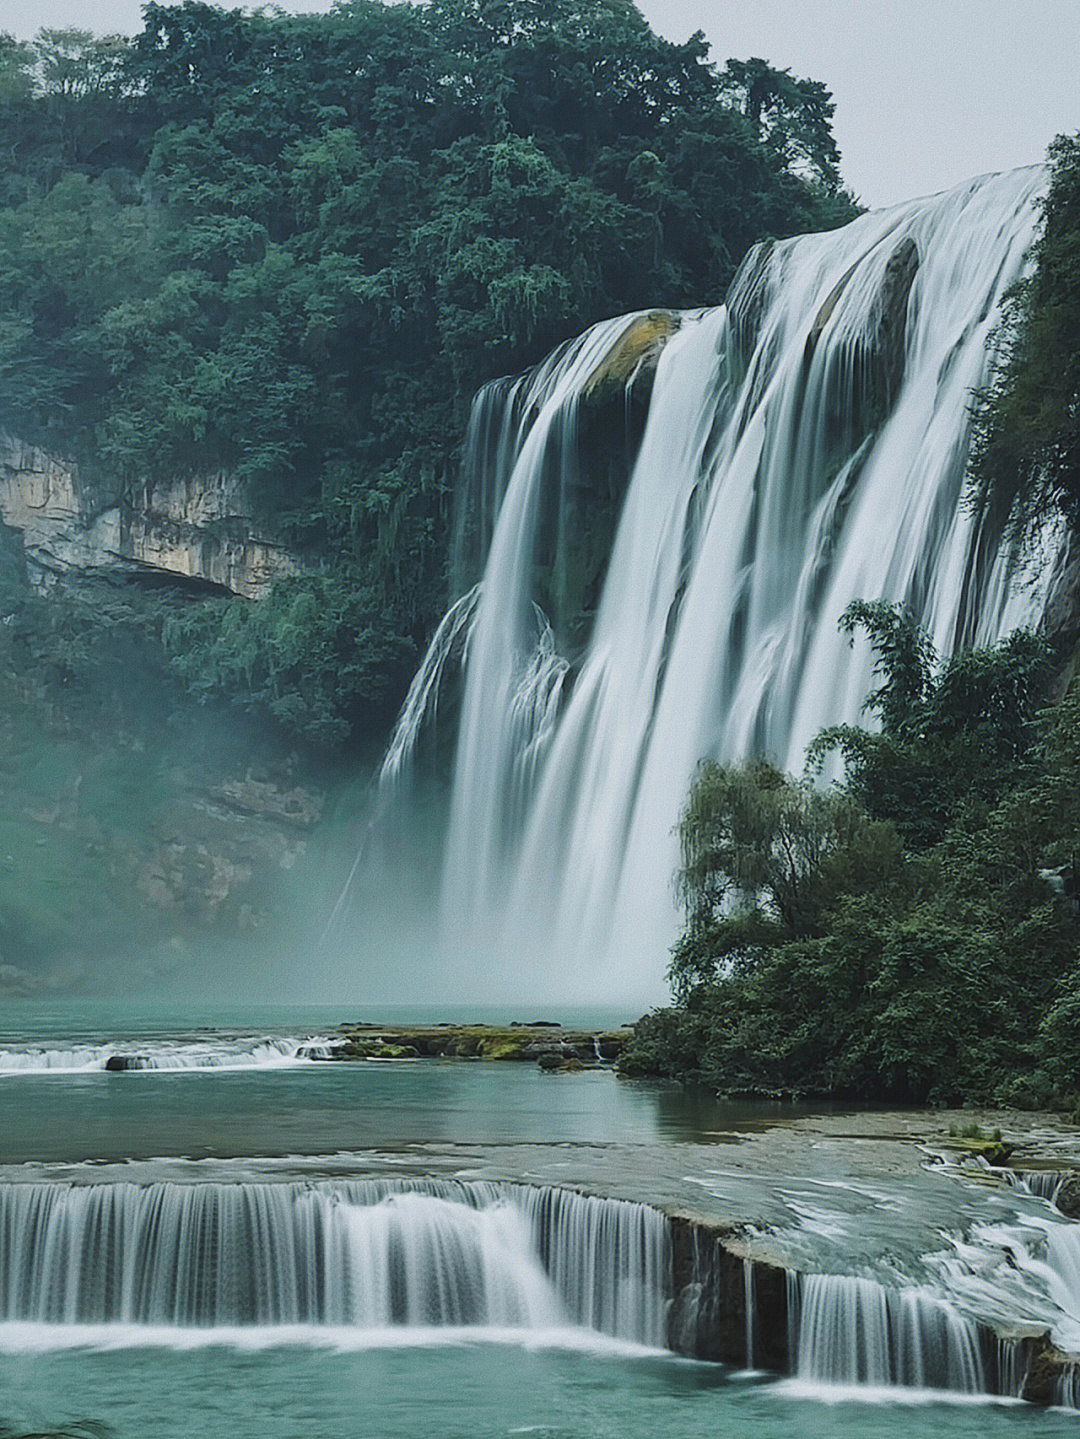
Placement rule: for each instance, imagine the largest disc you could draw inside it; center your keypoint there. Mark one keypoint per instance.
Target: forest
(293, 247)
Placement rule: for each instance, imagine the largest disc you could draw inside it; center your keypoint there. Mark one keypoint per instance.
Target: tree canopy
(910, 934)
(294, 246)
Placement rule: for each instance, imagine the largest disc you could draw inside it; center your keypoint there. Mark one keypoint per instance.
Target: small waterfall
(362, 1254)
(1068, 1389)
(220, 1054)
(804, 445)
(1045, 1183)
(855, 1331)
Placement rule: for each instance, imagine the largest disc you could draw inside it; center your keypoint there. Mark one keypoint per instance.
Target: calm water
(306, 1108)
(468, 1391)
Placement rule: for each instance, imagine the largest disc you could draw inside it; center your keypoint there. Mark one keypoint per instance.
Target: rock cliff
(197, 530)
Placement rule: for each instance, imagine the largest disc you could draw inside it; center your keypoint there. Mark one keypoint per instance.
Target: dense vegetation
(293, 247)
(911, 934)
(1027, 422)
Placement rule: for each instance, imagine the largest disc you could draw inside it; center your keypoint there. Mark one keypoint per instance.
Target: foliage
(792, 117)
(939, 955)
(292, 247)
(949, 736)
(765, 858)
(1026, 462)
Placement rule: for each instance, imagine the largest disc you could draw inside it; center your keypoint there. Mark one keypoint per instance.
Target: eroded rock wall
(198, 529)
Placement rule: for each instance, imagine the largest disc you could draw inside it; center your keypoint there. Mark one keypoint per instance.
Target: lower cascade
(371, 1256)
(363, 1254)
(848, 1330)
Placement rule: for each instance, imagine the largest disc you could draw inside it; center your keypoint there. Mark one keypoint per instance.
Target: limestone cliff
(201, 530)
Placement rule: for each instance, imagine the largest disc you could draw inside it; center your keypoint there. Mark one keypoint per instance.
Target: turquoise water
(315, 1108)
(323, 1109)
(466, 1391)
(282, 1384)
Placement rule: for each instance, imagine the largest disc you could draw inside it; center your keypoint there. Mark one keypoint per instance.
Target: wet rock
(1046, 1367)
(747, 298)
(708, 1319)
(1067, 1198)
(632, 360)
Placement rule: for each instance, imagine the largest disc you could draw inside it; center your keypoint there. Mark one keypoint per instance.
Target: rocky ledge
(197, 529)
(540, 1042)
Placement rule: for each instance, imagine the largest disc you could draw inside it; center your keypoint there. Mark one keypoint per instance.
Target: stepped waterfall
(363, 1254)
(659, 529)
(358, 1262)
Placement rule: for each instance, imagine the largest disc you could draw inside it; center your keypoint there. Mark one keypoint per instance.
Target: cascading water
(805, 445)
(847, 1330)
(220, 1054)
(361, 1254)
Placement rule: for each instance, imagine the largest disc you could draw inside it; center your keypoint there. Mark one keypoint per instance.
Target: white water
(848, 1330)
(362, 1255)
(354, 1264)
(219, 1054)
(759, 506)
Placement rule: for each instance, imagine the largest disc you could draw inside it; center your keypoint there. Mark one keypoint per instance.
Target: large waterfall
(805, 445)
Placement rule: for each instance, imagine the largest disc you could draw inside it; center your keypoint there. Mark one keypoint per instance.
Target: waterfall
(218, 1053)
(172, 1262)
(855, 1331)
(804, 445)
(361, 1254)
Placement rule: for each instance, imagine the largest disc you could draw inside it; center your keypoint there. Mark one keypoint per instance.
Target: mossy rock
(503, 1046)
(994, 1151)
(634, 355)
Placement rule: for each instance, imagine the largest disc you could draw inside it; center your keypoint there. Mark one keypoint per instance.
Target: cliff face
(135, 827)
(121, 860)
(200, 530)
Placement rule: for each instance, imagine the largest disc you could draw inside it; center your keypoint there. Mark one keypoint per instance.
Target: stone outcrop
(199, 530)
(712, 1279)
(630, 364)
(747, 297)
(877, 350)
(548, 1045)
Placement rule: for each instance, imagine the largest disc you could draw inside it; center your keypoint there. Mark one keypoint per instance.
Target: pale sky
(928, 92)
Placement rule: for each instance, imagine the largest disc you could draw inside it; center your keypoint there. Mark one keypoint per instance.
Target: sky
(928, 92)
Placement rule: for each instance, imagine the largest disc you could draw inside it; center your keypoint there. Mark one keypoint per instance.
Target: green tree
(1026, 452)
(765, 859)
(951, 735)
(792, 117)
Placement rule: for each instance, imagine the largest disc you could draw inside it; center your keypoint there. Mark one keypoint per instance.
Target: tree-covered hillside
(292, 247)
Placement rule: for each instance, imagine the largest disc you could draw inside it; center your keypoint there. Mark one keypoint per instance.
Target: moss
(637, 350)
(504, 1045)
